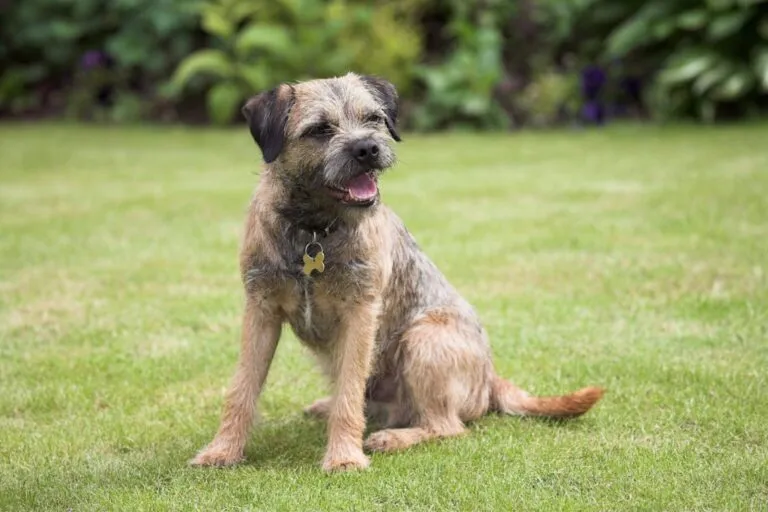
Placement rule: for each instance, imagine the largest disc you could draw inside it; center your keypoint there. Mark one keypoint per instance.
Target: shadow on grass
(291, 444)
(295, 442)
(298, 442)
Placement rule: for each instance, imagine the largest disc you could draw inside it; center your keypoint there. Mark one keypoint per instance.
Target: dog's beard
(339, 188)
(304, 201)
(351, 182)
(308, 203)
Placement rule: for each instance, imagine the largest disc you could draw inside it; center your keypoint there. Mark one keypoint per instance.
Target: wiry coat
(385, 323)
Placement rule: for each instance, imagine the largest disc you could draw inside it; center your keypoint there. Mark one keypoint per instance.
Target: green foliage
(703, 56)
(460, 90)
(710, 53)
(259, 44)
(44, 41)
(477, 65)
(550, 95)
(578, 28)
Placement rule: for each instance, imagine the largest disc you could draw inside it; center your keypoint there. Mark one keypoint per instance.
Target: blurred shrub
(701, 57)
(711, 54)
(259, 44)
(457, 64)
(551, 98)
(460, 90)
(53, 51)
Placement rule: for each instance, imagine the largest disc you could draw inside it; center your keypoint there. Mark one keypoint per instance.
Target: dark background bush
(458, 64)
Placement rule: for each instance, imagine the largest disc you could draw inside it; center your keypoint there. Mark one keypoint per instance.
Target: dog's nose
(365, 151)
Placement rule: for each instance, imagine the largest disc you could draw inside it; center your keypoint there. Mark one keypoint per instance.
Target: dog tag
(314, 263)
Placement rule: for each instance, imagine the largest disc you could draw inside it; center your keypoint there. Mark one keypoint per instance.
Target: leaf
(761, 67)
(635, 32)
(693, 20)
(215, 23)
(164, 21)
(223, 100)
(685, 68)
(64, 29)
(664, 28)
(208, 62)
(272, 38)
(239, 12)
(129, 49)
(259, 75)
(712, 77)
(721, 5)
(735, 86)
(725, 25)
(628, 36)
(476, 105)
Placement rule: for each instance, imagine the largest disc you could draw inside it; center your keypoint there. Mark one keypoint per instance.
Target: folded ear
(267, 115)
(386, 93)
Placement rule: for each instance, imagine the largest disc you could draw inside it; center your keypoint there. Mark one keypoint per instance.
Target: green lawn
(634, 258)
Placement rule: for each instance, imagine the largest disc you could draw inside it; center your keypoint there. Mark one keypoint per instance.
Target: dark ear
(386, 93)
(267, 114)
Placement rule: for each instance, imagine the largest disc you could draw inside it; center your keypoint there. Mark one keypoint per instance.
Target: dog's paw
(382, 441)
(319, 408)
(217, 455)
(347, 461)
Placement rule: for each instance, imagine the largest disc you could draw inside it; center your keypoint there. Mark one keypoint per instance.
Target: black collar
(321, 230)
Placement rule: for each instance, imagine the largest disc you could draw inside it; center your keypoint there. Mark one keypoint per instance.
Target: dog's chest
(317, 306)
(314, 317)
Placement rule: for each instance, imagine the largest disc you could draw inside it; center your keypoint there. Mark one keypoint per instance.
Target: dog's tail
(509, 399)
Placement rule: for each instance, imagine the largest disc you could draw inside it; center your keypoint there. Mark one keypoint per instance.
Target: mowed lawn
(635, 258)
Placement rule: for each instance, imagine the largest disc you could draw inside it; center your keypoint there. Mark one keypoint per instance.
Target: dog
(322, 254)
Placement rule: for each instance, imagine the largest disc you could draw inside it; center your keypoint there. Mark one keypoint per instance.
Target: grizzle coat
(387, 327)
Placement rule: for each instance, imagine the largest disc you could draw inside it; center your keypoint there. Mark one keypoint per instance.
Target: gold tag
(316, 263)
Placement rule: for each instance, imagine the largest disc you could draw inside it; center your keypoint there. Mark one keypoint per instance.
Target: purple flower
(92, 59)
(592, 81)
(593, 112)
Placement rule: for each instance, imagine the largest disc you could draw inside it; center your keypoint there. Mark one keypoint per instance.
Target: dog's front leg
(260, 333)
(351, 367)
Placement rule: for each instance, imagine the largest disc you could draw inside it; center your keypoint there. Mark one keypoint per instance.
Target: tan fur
(511, 400)
(387, 327)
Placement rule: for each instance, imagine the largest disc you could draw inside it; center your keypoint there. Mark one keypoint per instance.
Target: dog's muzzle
(366, 152)
(361, 190)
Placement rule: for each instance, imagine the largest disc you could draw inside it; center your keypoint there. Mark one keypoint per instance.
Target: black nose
(365, 151)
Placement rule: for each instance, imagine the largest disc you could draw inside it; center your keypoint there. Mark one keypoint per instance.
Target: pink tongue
(362, 187)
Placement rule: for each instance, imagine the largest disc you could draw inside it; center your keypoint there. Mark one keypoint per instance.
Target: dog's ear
(386, 93)
(267, 115)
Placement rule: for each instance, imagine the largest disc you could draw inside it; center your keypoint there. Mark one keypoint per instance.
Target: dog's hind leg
(320, 408)
(394, 439)
(444, 369)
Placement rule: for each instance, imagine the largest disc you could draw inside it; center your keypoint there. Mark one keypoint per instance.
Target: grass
(631, 257)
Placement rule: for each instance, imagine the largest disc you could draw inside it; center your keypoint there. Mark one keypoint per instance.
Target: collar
(319, 230)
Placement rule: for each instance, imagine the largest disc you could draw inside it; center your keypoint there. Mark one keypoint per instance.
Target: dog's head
(328, 140)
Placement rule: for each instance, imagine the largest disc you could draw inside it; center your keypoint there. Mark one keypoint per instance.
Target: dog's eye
(374, 118)
(319, 130)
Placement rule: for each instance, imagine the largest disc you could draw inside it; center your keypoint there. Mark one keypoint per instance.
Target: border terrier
(322, 254)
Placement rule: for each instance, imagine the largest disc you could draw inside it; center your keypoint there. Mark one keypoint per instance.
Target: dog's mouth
(362, 190)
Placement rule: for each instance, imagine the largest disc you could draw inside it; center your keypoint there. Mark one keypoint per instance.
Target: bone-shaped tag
(316, 263)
